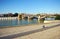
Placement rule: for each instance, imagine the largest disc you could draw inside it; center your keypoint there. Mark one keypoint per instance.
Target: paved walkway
(28, 32)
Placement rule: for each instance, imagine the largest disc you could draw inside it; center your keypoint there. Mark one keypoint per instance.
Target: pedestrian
(43, 26)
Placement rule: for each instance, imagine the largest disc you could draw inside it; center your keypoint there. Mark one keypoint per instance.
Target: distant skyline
(29, 6)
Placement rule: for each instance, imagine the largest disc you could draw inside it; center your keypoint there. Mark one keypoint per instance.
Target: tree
(16, 14)
(57, 17)
(5, 15)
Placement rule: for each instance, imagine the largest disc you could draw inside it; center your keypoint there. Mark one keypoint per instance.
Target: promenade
(51, 31)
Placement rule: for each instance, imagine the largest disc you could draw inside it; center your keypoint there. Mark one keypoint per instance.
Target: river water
(16, 22)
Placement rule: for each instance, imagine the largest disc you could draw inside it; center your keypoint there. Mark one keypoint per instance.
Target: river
(16, 22)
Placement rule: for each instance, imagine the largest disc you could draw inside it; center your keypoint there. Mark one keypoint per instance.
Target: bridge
(26, 16)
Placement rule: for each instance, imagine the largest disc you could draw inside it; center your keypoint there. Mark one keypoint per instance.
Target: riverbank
(39, 35)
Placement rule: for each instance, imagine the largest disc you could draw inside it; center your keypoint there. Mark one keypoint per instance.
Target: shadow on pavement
(27, 33)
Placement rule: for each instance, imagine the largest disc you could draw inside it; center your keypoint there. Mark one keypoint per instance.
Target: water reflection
(18, 22)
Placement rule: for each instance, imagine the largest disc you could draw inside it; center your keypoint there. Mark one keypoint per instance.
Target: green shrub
(57, 17)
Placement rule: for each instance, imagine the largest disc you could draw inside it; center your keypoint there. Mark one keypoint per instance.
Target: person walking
(43, 26)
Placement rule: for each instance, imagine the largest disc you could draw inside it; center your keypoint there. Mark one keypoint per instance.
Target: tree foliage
(57, 17)
(16, 14)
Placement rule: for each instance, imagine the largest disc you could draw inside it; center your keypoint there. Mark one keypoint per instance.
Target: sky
(29, 6)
